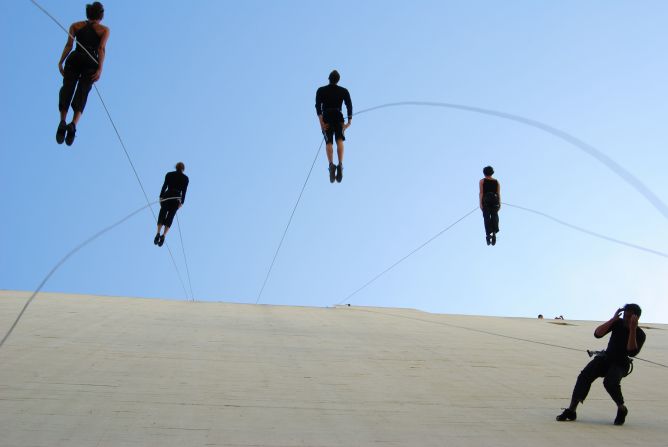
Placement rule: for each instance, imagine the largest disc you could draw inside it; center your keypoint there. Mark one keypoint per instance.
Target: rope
(67, 256)
(649, 361)
(588, 149)
(141, 185)
(496, 334)
(271, 266)
(127, 154)
(185, 259)
(595, 153)
(589, 232)
(559, 221)
(58, 23)
(408, 255)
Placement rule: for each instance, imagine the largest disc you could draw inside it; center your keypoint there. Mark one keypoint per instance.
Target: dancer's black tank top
(87, 38)
(490, 186)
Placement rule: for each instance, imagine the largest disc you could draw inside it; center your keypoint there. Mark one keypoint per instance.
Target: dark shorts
(335, 127)
(168, 209)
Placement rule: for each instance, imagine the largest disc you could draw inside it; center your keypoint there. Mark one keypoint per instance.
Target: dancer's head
(180, 166)
(488, 171)
(95, 11)
(334, 77)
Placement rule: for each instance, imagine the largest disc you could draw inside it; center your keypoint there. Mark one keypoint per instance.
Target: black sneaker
(60, 133)
(156, 239)
(621, 415)
(494, 239)
(567, 415)
(161, 241)
(332, 172)
(339, 173)
(489, 240)
(71, 133)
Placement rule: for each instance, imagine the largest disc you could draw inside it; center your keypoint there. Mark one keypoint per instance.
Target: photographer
(613, 364)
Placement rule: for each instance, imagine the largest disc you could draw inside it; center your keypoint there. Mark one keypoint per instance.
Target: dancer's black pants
(491, 217)
(77, 81)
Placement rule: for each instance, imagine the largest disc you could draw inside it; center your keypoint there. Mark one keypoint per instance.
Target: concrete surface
(105, 371)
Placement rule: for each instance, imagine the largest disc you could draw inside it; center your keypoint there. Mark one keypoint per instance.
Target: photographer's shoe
(567, 415)
(621, 415)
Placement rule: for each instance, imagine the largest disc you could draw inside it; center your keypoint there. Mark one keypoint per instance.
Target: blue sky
(228, 88)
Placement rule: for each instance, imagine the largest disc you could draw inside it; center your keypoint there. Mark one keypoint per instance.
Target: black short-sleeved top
(619, 337)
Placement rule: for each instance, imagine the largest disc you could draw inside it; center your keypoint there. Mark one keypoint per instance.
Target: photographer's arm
(606, 327)
(632, 343)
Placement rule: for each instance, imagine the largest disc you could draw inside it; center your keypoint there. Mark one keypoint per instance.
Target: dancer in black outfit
(174, 188)
(80, 71)
(490, 204)
(328, 102)
(613, 364)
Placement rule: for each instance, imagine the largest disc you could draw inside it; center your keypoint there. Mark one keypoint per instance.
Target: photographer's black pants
(612, 372)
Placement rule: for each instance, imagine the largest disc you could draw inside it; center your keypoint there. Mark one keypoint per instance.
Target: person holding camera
(613, 364)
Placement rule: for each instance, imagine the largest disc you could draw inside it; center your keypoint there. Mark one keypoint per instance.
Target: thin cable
(125, 150)
(649, 361)
(408, 255)
(595, 153)
(141, 185)
(185, 259)
(496, 334)
(127, 154)
(441, 323)
(589, 232)
(67, 256)
(57, 23)
(559, 221)
(271, 266)
(588, 149)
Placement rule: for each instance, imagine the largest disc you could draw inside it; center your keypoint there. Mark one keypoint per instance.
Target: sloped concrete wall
(105, 371)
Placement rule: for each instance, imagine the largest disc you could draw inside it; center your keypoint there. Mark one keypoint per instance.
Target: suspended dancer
(174, 188)
(328, 102)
